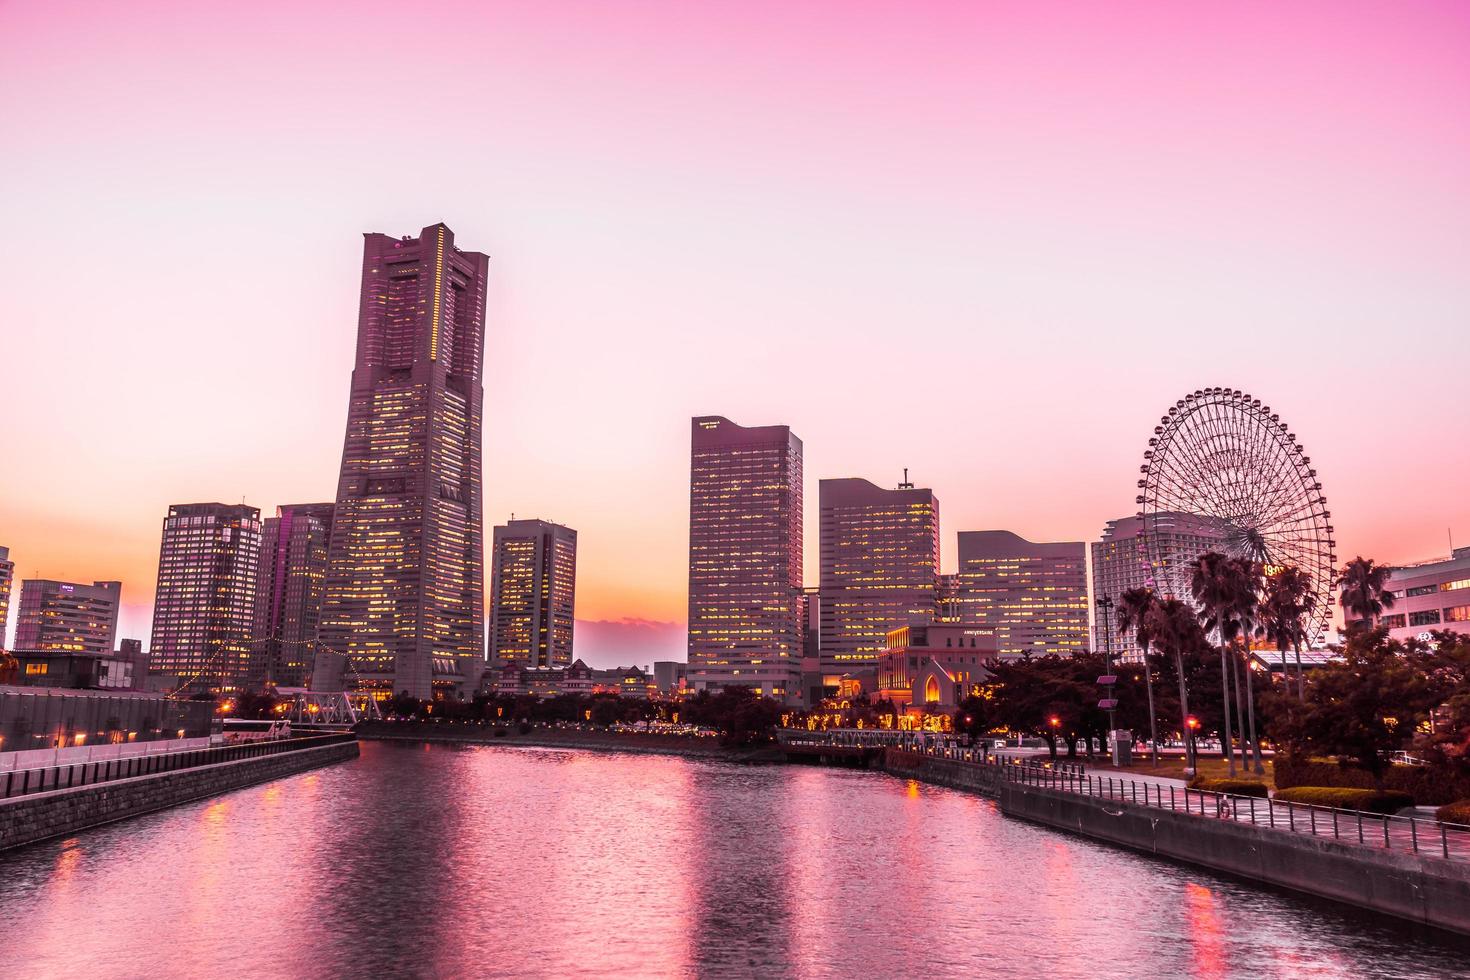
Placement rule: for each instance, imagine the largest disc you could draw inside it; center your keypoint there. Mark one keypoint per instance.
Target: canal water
(420, 860)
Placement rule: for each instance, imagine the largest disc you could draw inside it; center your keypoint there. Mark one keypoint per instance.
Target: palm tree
(1288, 601)
(1249, 598)
(1362, 582)
(1215, 584)
(1136, 612)
(1175, 629)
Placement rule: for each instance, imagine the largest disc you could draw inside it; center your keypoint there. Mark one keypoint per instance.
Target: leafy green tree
(1363, 707)
(1445, 660)
(1364, 593)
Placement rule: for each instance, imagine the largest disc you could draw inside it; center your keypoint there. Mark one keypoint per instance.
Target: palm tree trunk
(1301, 690)
(1153, 733)
(1250, 703)
(1239, 708)
(1184, 713)
(1226, 749)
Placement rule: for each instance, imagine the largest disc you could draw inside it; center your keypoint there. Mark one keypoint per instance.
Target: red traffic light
(1192, 722)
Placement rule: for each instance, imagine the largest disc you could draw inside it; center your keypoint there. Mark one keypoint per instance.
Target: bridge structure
(328, 710)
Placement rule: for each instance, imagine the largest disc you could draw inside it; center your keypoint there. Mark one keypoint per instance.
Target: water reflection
(451, 861)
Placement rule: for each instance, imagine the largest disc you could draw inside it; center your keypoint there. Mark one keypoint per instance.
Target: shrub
(1454, 812)
(1347, 798)
(1429, 785)
(1234, 787)
(500, 731)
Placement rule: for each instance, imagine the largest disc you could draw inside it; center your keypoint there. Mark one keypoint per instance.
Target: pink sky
(990, 242)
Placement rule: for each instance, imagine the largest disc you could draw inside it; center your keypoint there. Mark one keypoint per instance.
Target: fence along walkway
(21, 782)
(1431, 838)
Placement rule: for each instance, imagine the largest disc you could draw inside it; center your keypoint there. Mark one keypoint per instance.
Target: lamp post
(1105, 610)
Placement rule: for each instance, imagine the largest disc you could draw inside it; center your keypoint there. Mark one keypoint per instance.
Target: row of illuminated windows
(1427, 617)
(1418, 590)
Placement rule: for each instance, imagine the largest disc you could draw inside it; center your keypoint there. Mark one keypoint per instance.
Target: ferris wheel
(1224, 473)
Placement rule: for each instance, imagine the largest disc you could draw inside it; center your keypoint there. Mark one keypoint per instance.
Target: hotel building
(405, 592)
(1031, 596)
(67, 617)
(204, 608)
(288, 598)
(1120, 562)
(1429, 595)
(745, 557)
(533, 589)
(879, 567)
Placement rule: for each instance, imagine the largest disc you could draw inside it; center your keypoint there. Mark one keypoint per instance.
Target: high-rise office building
(67, 617)
(745, 557)
(879, 567)
(203, 610)
(288, 597)
(405, 591)
(7, 576)
(533, 590)
(1033, 596)
(1120, 563)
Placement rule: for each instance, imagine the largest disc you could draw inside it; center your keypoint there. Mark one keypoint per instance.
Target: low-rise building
(669, 675)
(934, 667)
(77, 670)
(1429, 595)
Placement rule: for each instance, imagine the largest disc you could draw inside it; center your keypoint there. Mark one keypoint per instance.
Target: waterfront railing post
(1444, 840)
(1385, 831)
(1414, 835)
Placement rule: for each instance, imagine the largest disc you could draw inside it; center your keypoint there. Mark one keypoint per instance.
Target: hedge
(1430, 785)
(1347, 798)
(1454, 812)
(1235, 787)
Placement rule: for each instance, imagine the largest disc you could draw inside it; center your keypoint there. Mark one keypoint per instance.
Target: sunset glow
(990, 242)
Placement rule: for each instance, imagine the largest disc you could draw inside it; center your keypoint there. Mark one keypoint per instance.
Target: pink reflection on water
(1205, 931)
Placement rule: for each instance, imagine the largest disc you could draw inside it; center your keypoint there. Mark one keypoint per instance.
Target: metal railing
(22, 782)
(1412, 834)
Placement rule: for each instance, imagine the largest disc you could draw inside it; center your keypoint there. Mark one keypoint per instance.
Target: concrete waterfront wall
(945, 772)
(1428, 890)
(26, 819)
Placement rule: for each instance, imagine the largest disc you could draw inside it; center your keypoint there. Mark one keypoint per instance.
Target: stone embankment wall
(1429, 890)
(26, 819)
(644, 743)
(944, 772)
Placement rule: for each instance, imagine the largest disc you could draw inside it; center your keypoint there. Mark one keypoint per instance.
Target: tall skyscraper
(7, 576)
(533, 589)
(288, 598)
(1032, 596)
(745, 493)
(203, 611)
(1120, 563)
(67, 617)
(879, 567)
(405, 589)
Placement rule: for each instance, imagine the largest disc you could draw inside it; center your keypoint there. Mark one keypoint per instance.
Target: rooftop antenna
(905, 485)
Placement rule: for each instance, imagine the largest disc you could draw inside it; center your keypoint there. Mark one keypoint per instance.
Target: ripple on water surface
(482, 861)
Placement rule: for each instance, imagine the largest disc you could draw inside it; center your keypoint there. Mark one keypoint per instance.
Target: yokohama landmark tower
(404, 594)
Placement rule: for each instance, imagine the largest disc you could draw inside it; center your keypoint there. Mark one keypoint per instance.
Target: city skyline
(1327, 228)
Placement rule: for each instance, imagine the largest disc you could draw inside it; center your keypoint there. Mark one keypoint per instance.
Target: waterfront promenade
(1414, 834)
(1409, 867)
